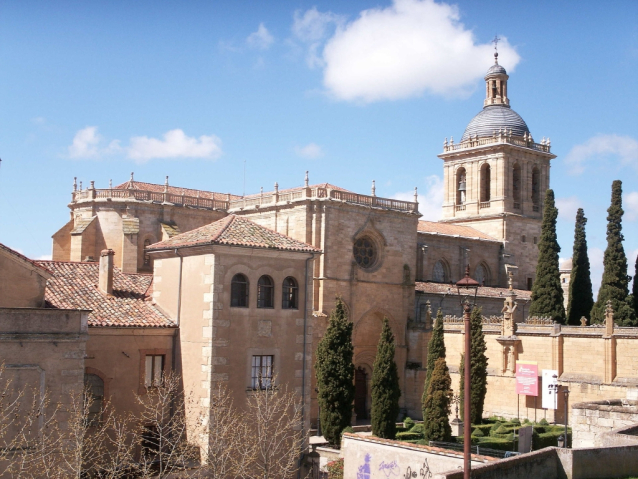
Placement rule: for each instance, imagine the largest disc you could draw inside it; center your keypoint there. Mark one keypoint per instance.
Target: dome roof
(494, 118)
(495, 70)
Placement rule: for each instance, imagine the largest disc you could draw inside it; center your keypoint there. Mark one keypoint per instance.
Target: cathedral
(246, 283)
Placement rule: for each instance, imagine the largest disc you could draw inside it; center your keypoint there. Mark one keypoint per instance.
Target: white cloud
(260, 39)
(430, 201)
(175, 144)
(85, 143)
(88, 143)
(567, 207)
(44, 257)
(39, 120)
(630, 205)
(310, 151)
(312, 28)
(401, 51)
(600, 147)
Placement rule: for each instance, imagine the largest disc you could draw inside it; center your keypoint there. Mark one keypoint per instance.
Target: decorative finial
(261, 190)
(92, 185)
(467, 270)
(445, 142)
(374, 189)
(110, 184)
(306, 180)
(495, 42)
(166, 181)
(510, 278)
(276, 187)
(75, 183)
(416, 195)
(131, 176)
(80, 185)
(451, 140)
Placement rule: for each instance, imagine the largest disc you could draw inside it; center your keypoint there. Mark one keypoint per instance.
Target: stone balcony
(498, 138)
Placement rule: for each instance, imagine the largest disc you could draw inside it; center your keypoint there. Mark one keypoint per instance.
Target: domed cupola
(496, 115)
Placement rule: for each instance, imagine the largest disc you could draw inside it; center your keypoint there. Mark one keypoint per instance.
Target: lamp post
(465, 288)
(566, 393)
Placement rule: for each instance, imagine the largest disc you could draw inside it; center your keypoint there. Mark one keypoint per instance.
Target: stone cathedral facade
(373, 252)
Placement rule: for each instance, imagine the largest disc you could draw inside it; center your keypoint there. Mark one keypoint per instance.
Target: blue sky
(351, 91)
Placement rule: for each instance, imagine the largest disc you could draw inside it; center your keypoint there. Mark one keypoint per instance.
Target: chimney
(105, 283)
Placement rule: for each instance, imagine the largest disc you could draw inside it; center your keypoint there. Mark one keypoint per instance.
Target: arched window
(486, 182)
(290, 292)
(365, 252)
(460, 186)
(439, 273)
(239, 291)
(265, 292)
(481, 274)
(94, 389)
(536, 186)
(516, 185)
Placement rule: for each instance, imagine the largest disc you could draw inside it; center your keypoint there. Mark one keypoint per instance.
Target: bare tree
(275, 433)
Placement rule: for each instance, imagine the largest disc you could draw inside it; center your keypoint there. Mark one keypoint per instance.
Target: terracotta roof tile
(174, 190)
(74, 286)
(235, 231)
(23, 258)
(448, 229)
(483, 291)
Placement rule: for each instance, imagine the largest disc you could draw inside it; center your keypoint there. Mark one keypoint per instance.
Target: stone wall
(592, 421)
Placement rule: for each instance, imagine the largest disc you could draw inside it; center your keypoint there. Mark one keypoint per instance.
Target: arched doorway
(361, 393)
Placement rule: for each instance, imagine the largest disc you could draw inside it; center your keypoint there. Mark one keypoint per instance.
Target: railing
(497, 139)
(150, 196)
(484, 204)
(460, 208)
(451, 319)
(318, 192)
(539, 321)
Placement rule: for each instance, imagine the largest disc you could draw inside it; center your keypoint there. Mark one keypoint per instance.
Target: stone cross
(583, 321)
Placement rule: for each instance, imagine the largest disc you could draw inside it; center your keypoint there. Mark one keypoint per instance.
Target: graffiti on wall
(423, 471)
(389, 469)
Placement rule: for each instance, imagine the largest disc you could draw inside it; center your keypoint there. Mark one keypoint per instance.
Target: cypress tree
(615, 283)
(547, 293)
(634, 289)
(385, 387)
(436, 350)
(335, 375)
(581, 297)
(478, 370)
(436, 407)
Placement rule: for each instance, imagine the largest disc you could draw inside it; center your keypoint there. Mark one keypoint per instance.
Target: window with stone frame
(439, 273)
(481, 275)
(486, 182)
(153, 370)
(262, 371)
(290, 294)
(536, 186)
(265, 292)
(239, 288)
(365, 252)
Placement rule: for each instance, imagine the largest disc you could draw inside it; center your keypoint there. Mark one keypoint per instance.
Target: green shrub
(484, 428)
(541, 429)
(515, 422)
(418, 428)
(543, 422)
(408, 423)
(495, 426)
(549, 439)
(527, 422)
(335, 469)
(502, 429)
(408, 436)
(477, 433)
(496, 443)
(347, 429)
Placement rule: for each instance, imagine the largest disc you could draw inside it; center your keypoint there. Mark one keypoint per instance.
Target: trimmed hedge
(477, 433)
(418, 428)
(408, 436)
(496, 443)
(549, 439)
(484, 428)
(408, 423)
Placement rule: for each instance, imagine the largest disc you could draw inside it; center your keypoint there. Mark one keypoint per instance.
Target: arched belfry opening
(461, 186)
(486, 182)
(516, 185)
(536, 178)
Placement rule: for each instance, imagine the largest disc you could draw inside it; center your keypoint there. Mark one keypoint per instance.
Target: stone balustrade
(91, 194)
(498, 138)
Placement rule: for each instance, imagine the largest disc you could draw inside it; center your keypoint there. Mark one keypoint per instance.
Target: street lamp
(465, 288)
(566, 393)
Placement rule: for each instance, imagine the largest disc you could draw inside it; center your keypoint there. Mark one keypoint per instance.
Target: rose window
(365, 254)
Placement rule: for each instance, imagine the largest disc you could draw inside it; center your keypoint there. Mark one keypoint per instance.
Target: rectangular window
(262, 372)
(529, 284)
(154, 369)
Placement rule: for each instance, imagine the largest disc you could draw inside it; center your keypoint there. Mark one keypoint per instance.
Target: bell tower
(495, 179)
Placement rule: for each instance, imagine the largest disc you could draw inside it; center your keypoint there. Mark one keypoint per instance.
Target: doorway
(361, 393)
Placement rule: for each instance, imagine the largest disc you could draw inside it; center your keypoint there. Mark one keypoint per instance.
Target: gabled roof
(235, 231)
(74, 286)
(448, 229)
(483, 291)
(173, 190)
(20, 257)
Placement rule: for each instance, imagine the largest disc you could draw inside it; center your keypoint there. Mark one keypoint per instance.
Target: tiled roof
(235, 231)
(448, 229)
(173, 190)
(297, 188)
(483, 291)
(74, 286)
(23, 258)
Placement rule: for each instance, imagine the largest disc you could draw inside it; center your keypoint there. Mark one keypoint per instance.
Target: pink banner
(527, 378)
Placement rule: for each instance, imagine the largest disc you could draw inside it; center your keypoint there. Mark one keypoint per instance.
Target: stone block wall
(591, 421)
